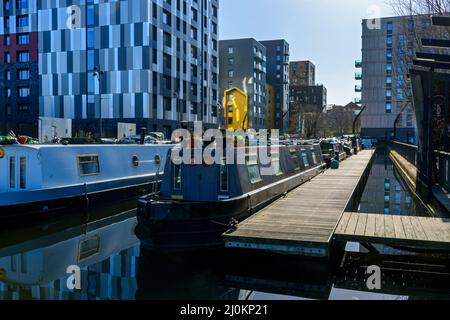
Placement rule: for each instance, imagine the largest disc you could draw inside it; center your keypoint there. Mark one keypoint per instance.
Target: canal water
(34, 261)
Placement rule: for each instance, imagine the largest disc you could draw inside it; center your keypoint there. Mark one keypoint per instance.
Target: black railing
(444, 170)
(407, 151)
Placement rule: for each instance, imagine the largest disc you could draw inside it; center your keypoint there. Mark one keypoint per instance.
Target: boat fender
(233, 224)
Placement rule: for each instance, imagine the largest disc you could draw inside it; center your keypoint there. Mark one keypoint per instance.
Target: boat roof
(76, 146)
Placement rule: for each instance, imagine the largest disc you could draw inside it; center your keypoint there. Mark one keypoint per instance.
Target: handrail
(408, 151)
(406, 144)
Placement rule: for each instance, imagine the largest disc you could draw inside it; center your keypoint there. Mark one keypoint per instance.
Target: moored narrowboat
(47, 178)
(198, 203)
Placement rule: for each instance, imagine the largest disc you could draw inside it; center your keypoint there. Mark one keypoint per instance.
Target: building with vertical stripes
(156, 60)
(387, 53)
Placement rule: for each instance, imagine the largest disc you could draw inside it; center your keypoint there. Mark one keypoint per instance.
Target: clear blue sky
(327, 32)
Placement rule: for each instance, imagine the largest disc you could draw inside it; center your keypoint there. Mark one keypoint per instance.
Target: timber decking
(304, 221)
(405, 231)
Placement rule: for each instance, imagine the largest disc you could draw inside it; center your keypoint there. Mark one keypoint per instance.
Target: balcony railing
(358, 76)
(358, 100)
(358, 64)
(358, 88)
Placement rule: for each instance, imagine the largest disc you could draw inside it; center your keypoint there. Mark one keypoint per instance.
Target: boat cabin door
(17, 168)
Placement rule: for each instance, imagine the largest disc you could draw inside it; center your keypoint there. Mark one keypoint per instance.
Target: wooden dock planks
(418, 232)
(304, 221)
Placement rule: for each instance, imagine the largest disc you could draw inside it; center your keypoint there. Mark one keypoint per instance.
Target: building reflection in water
(385, 192)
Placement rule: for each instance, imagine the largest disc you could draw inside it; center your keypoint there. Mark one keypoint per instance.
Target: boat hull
(75, 203)
(173, 225)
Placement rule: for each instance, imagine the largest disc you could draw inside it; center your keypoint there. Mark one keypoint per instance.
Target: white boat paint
(52, 171)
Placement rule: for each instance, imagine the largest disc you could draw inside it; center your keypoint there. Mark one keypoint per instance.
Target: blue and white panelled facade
(158, 60)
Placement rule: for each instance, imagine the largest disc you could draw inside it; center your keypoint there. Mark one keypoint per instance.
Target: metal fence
(444, 169)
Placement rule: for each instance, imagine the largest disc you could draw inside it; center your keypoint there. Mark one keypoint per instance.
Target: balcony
(358, 88)
(358, 64)
(259, 55)
(358, 100)
(258, 66)
(358, 76)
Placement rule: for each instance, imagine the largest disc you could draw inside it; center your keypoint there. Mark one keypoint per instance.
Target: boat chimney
(143, 134)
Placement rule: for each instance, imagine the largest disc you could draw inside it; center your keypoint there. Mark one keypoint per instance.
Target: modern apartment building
(305, 99)
(387, 50)
(309, 95)
(243, 65)
(157, 61)
(19, 74)
(278, 76)
(302, 73)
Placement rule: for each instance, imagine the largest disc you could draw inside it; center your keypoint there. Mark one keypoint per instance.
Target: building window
(7, 40)
(88, 165)
(24, 92)
(23, 56)
(389, 66)
(390, 27)
(23, 39)
(389, 41)
(22, 4)
(24, 108)
(388, 107)
(230, 74)
(7, 75)
(389, 80)
(230, 50)
(389, 54)
(7, 57)
(22, 21)
(23, 74)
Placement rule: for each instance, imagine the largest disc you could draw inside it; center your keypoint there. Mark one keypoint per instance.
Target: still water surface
(34, 261)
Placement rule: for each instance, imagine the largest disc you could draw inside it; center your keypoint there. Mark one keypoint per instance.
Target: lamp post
(220, 115)
(177, 97)
(98, 73)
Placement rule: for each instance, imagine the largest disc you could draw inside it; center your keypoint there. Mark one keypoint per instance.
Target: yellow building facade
(236, 109)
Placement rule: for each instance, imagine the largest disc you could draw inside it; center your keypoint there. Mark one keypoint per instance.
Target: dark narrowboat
(333, 149)
(198, 203)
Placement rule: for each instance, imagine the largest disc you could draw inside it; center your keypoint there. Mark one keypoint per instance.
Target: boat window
(253, 168)
(12, 172)
(88, 165)
(223, 176)
(176, 177)
(135, 161)
(305, 158)
(314, 157)
(88, 248)
(275, 159)
(294, 158)
(23, 173)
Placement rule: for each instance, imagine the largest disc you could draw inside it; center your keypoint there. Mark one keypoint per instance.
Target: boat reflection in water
(105, 250)
(115, 266)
